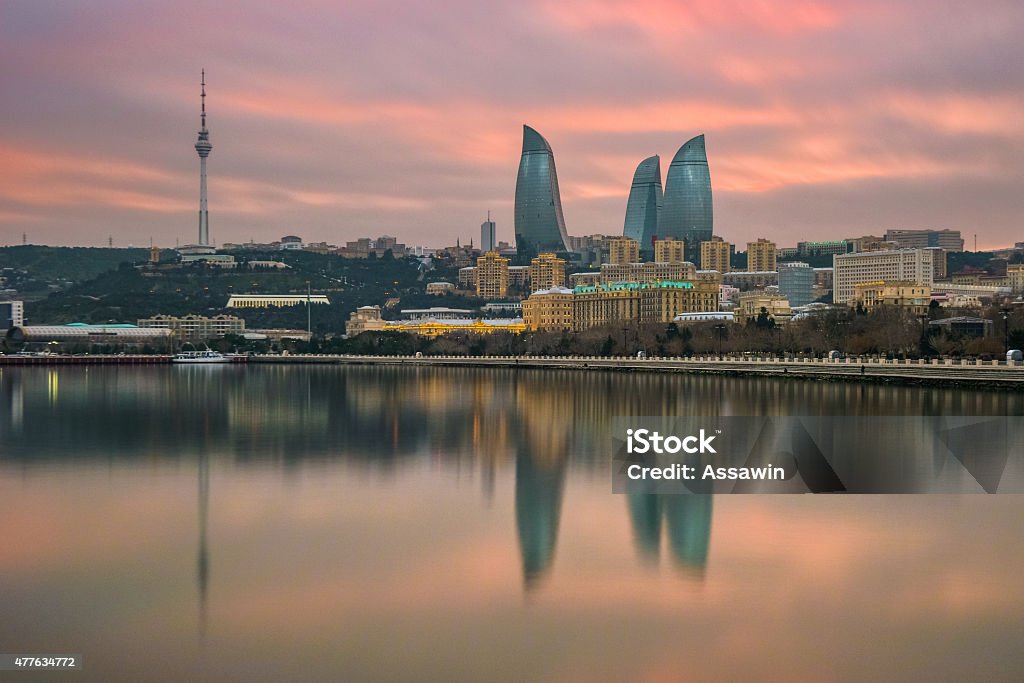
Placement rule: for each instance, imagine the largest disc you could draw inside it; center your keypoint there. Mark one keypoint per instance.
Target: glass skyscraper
(539, 223)
(644, 203)
(796, 282)
(686, 211)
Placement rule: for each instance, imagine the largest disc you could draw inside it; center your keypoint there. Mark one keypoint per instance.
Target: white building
(12, 314)
(903, 265)
(278, 300)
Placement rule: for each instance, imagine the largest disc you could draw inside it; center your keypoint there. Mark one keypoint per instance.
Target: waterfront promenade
(939, 371)
(947, 371)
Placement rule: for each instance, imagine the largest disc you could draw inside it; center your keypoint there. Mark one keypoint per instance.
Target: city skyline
(827, 120)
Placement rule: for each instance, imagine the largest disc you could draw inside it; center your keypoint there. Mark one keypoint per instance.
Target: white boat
(206, 356)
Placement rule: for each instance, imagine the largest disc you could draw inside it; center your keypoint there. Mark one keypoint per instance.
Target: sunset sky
(338, 120)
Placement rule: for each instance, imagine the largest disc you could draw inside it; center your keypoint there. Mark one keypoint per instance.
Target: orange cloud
(669, 17)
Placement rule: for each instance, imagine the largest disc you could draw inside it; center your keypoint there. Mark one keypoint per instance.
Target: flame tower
(203, 148)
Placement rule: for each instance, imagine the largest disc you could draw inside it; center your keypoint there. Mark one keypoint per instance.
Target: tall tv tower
(203, 148)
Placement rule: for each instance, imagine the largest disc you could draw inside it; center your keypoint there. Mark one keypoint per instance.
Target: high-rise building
(203, 148)
(547, 271)
(904, 265)
(939, 262)
(623, 250)
(644, 203)
(716, 254)
(761, 256)
(539, 223)
(488, 237)
(1014, 273)
(12, 314)
(669, 251)
(686, 211)
(950, 240)
(492, 276)
(796, 282)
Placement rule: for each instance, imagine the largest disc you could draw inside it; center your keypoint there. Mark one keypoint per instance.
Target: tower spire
(202, 97)
(203, 148)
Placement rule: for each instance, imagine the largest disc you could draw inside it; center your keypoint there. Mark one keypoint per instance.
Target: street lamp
(923, 344)
(1006, 329)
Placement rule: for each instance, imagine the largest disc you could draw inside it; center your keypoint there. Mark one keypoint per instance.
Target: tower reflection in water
(688, 518)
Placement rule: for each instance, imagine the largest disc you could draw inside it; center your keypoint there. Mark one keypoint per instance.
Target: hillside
(127, 293)
(34, 270)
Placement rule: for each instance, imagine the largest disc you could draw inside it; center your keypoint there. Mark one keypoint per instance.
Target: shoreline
(949, 373)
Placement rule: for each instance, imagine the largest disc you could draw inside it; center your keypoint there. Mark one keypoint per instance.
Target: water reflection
(382, 415)
(385, 523)
(540, 486)
(689, 527)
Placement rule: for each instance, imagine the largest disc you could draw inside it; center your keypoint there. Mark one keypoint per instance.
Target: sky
(337, 120)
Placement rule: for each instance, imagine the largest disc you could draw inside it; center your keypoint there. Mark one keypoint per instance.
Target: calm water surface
(329, 523)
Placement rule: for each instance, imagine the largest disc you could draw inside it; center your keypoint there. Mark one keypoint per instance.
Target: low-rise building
(195, 328)
(439, 288)
(368, 318)
(965, 326)
(274, 300)
(435, 313)
(746, 280)
(588, 306)
(577, 279)
(549, 309)
(907, 295)
(647, 272)
(752, 304)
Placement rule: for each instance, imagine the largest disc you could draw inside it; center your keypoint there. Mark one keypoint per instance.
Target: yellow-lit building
(1015, 274)
(626, 302)
(368, 319)
(761, 256)
(669, 250)
(549, 309)
(751, 303)
(716, 254)
(547, 271)
(647, 272)
(623, 250)
(492, 276)
(913, 297)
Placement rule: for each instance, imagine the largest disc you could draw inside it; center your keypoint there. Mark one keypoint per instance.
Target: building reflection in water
(540, 484)
(203, 559)
(688, 518)
(485, 422)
